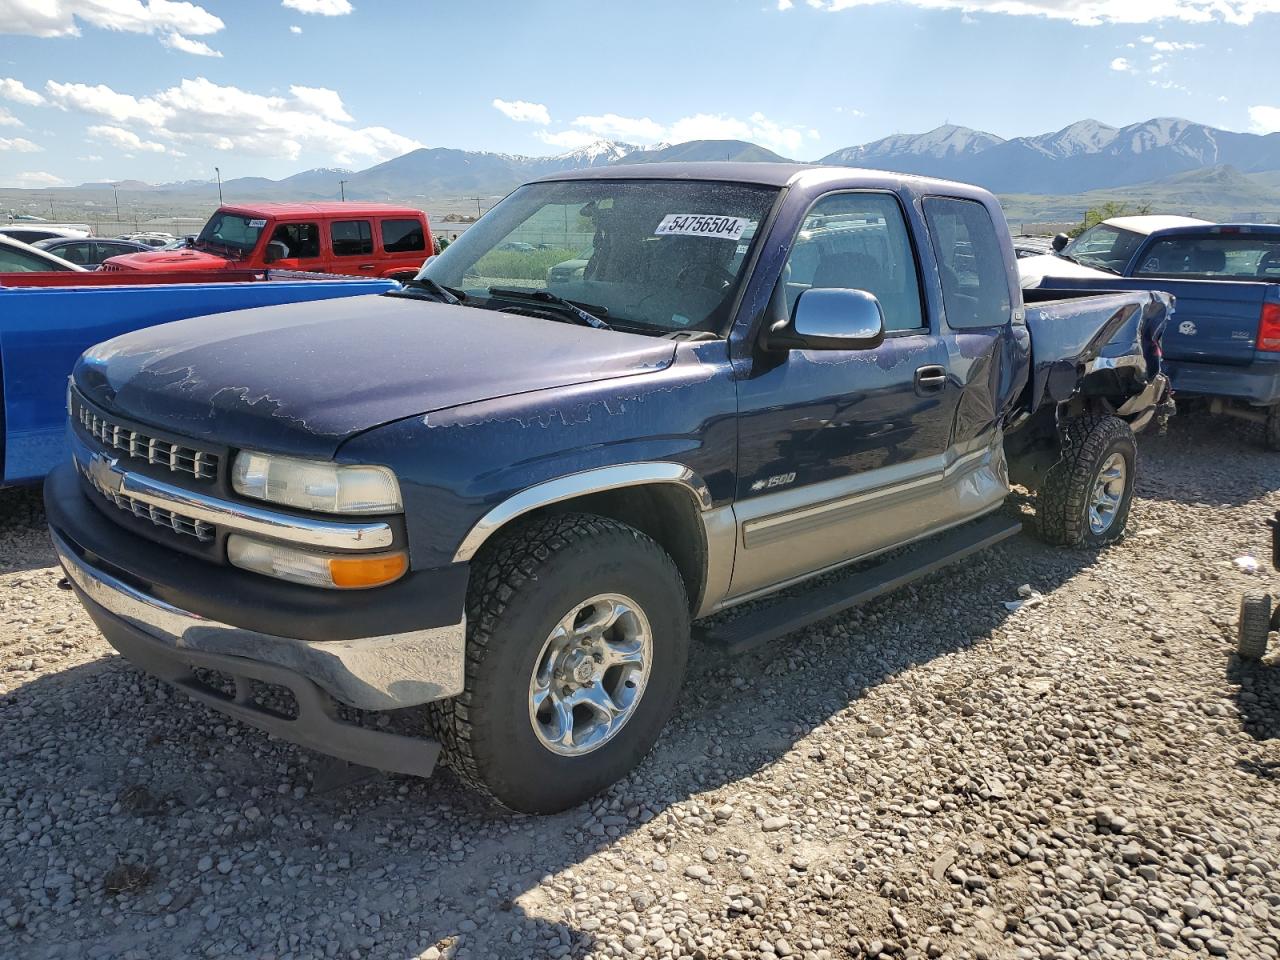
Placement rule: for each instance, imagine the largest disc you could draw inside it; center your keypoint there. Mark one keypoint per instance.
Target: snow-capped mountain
(945, 143)
(1086, 155)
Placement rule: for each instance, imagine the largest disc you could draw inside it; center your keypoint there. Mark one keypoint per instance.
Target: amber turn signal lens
(355, 572)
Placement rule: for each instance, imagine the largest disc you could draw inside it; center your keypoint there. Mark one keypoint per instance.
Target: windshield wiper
(545, 296)
(438, 291)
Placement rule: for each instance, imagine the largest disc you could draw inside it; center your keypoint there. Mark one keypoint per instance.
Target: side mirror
(1060, 242)
(275, 251)
(830, 319)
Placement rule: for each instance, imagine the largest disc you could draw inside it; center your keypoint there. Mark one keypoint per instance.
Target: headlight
(315, 485)
(353, 572)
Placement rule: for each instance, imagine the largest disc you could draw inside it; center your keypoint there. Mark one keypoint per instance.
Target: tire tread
(1062, 497)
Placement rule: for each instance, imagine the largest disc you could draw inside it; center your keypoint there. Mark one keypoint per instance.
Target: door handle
(366, 266)
(931, 378)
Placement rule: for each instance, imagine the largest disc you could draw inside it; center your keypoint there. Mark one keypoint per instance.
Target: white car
(32, 232)
(19, 257)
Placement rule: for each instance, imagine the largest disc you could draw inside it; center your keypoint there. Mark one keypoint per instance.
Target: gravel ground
(1094, 775)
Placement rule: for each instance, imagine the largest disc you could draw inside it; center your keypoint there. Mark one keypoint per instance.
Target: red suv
(363, 239)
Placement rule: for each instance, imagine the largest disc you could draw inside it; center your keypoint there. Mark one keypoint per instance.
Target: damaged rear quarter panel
(457, 464)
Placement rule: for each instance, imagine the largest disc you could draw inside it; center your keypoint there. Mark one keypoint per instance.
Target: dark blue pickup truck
(1225, 345)
(624, 401)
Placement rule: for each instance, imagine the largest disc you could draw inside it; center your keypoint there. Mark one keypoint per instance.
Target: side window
(858, 241)
(352, 238)
(403, 236)
(975, 284)
(19, 261)
(301, 240)
(77, 253)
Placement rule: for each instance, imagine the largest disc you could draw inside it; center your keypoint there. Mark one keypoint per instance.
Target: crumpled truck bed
(1075, 334)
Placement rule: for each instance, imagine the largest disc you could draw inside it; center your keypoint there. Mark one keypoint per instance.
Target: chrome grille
(186, 526)
(139, 446)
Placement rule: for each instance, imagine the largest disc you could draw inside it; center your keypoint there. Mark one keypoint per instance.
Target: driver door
(843, 453)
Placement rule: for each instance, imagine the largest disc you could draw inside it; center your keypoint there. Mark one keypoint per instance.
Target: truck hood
(302, 378)
(1033, 270)
(170, 260)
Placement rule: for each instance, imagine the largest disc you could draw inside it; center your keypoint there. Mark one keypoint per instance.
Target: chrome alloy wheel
(1108, 493)
(590, 675)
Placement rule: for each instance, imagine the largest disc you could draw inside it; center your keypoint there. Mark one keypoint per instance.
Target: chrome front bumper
(370, 673)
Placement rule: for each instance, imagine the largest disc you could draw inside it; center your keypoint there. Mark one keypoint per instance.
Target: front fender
(457, 466)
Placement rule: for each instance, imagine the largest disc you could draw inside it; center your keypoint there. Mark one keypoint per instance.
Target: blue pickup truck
(1224, 347)
(48, 320)
(516, 499)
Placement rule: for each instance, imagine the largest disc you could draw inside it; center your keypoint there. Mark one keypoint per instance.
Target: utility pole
(116, 193)
(342, 188)
(479, 212)
(218, 173)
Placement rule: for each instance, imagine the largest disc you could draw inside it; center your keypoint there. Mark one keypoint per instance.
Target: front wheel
(577, 640)
(1085, 498)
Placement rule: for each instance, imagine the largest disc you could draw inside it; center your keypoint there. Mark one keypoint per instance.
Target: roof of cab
(1150, 224)
(763, 173)
(329, 209)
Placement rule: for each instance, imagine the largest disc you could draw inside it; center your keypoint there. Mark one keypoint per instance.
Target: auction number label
(702, 225)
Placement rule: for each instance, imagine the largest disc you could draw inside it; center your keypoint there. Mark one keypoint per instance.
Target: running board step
(818, 603)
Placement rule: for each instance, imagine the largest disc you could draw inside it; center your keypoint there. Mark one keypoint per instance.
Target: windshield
(231, 233)
(645, 255)
(1237, 256)
(1109, 248)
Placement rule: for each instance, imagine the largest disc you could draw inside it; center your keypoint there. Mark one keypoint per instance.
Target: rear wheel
(1085, 498)
(1255, 625)
(1271, 430)
(577, 640)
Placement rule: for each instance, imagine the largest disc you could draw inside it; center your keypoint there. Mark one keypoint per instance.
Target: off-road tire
(521, 585)
(1255, 625)
(1062, 502)
(1271, 429)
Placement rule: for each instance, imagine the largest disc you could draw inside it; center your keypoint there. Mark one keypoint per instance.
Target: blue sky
(163, 90)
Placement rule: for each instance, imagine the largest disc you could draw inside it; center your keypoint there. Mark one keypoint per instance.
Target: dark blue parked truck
(508, 497)
(1225, 346)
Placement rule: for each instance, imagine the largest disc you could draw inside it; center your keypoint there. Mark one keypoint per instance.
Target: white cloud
(37, 178)
(567, 139)
(701, 126)
(610, 126)
(7, 119)
(1173, 46)
(62, 18)
(785, 4)
(522, 111)
(1121, 65)
(325, 8)
(228, 118)
(295, 29)
(102, 101)
(124, 139)
(176, 41)
(19, 145)
(323, 101)
(1090, 12)
(17, 92)
(1265, 119)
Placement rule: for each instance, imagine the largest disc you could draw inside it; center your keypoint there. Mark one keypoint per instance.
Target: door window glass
(77, 253)
(858, 241)
(975, 282)
(352, 238)
(403, 236)
(301, 240)
(13, 260)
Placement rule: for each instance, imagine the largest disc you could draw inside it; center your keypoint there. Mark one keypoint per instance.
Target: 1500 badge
(781, 480)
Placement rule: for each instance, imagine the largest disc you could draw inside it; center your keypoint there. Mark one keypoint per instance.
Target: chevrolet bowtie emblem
(103, 472)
